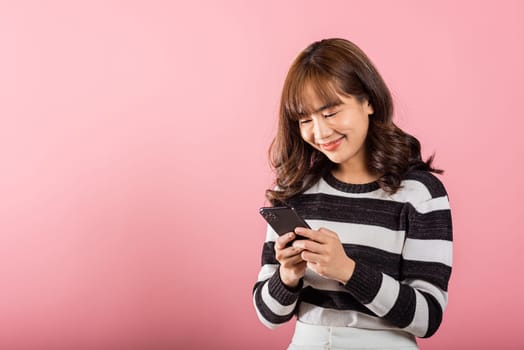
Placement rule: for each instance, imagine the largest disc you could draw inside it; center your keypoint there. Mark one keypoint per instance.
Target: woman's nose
(321, 129)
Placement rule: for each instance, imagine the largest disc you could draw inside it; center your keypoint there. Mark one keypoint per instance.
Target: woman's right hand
(292, 266)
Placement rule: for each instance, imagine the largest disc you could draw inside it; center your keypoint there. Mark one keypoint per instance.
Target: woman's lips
(331, 146)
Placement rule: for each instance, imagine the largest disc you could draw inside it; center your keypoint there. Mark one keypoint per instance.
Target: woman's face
(338, 131)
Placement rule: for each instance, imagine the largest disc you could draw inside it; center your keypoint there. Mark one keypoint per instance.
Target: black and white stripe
(402, 245)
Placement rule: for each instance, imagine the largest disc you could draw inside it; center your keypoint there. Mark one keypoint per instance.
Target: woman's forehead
(316, 97)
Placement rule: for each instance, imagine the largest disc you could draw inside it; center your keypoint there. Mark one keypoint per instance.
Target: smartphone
(283, 220)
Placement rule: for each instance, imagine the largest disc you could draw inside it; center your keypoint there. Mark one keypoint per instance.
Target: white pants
(310, 337)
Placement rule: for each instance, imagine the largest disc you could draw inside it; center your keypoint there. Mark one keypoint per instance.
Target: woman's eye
(304, 121)
(330, 115)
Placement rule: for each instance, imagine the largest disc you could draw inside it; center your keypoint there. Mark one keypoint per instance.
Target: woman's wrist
(290, 283)
(347, 271)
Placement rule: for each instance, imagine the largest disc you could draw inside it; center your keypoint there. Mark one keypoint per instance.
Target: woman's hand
(325, 254)
(292, 266)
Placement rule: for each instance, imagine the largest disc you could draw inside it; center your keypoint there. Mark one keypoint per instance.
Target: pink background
(133, 144)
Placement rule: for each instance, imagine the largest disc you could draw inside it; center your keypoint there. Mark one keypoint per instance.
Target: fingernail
(299, 230)
(297, 245)
(290, 235)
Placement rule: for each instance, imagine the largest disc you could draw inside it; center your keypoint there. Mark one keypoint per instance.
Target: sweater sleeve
(417, 300)
(274, 302)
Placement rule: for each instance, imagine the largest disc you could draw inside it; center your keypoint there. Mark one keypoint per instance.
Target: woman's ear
(368, 107)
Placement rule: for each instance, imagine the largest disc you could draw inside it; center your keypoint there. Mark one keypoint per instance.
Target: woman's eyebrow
(328, 105)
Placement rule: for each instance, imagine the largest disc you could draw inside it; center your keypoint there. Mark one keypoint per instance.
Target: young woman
(374, 269)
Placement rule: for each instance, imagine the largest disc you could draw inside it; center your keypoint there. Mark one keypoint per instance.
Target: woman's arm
(414, 302)
(276, 291)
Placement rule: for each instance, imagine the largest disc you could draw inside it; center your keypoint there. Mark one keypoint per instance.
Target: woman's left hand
(325, 254)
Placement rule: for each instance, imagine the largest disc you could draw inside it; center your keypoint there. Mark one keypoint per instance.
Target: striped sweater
(402, 246)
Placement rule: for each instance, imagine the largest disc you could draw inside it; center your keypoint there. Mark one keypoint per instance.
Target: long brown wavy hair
(332, 66)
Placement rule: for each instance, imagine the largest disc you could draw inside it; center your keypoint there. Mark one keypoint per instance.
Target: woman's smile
(333, 145)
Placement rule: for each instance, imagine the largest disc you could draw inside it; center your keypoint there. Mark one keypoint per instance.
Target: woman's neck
(353, 175)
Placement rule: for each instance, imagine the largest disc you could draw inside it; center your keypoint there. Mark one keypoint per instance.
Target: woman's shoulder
(428, 180)
(419, 186)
